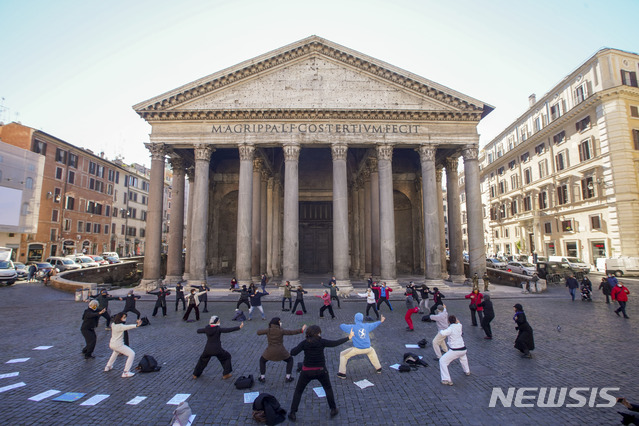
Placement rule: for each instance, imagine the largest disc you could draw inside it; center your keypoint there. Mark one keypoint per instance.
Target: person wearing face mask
(620, 294)
(275, 351)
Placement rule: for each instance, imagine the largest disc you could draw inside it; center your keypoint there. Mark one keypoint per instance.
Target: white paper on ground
(320, 392)
(42, 348)
(13, 386)
(249, 397)
(136, 400)
(44, 395)
(4, 376)
(95, 399)
(364, 384)
(16, 360)
(411, 346)
(395, 366)
(191, 418)
(179, 397)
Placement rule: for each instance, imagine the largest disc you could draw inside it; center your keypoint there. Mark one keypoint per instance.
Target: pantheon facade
(314, 159)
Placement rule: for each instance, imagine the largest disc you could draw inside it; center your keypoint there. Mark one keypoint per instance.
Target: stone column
(244, 216)
(440, 209)
(375, 225)
(355, 238)
(174, 266)
(340, 217)
(454, 221)
(190, 173)
(476, 247)
(432, 244)
(368, 223)
(199, 229)
(387, 215)
(269, 227)
(153, 249)
(362, 227)
(291, 260)
(277, 227)
(256, 232)
(263, 217)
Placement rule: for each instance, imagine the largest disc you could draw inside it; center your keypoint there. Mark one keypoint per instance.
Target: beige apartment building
(563, 179)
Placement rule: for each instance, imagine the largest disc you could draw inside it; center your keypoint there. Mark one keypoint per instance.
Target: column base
(149, 284)
(172, 279)
(457, 279)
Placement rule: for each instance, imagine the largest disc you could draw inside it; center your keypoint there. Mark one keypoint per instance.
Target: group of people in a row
(610, 286)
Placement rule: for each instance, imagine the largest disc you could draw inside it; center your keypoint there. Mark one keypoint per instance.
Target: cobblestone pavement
(579, 344)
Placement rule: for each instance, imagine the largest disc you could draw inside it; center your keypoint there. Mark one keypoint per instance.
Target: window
(512, 164)
(527, 203)
(543, 169)
(527, 176)
(635, 138)
(97, 228)
(130, 231)
(583, 124)
(143, 232)
(100, 172)
(123, 230)
(80, 225)
(107, 210)
(106, 229)
(73, 161)
(113, 228)
(555, 111)
(514, 181)
(98, 208)
(502, 187)
(145, 186)
(60, 156)
(58, 173)
(548, 227)
(53, 236)
(500, 151)
(506, 233)
(585, 150)
(595, 222)
(28, 183)
(91, 183)
(496, 233)
(490, 157)
(523, 133)
(69, 203)
(634, 111)
(109, 189)
(561, 160)
(567, 225)
(492, 191)
(511, 142)
(54, 215)
(493, 213)
(587, 188)
(67, 225)
(92, 167)
(562, 194)
(111, 175)
(502, 211)
(579, 95)
(56, 195)
(513, 207)
(559, 137)
(629, 78)
(71, 177)
(543, 200)
(537, 124)
(39, 147)
(540, 149)
(525, 157)
(500, 171)
(87, 227)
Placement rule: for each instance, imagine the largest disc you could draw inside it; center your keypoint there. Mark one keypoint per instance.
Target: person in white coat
(456, 350)
(439, 342)
(370, 302)
(193, 302)
(117, 344)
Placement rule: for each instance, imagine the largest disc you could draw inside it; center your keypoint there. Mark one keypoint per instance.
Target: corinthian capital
(427, 152)
(177, 163)
(439, 170)
(452, 163)
(257, 165)
(385, 152)
(291, 152)
(372, 164)
(203, 152)
(339, 151)
(470, 153)
(158, 150)
(246, 152)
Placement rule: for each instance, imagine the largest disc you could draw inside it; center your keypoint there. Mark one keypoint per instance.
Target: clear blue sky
(75, 68)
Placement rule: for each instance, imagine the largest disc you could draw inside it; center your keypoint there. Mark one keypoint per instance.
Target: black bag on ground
(145, 321)
(239, 316)
(244, 382)
(267, 407)
(148, 364)
(422, 343)
(414, 360)
(404, 368)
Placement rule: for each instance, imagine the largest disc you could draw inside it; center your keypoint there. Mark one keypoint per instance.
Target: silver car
(523, 268)
(8, 274)
(495, 263)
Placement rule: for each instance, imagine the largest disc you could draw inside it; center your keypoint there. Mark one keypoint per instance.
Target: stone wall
(126, 273)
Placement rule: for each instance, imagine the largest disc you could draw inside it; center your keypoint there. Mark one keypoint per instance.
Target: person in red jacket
(620, 294)
(475, 299)
(326, 297)
(384, 294)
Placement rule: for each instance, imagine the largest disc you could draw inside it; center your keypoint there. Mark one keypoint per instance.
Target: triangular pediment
(312, 74)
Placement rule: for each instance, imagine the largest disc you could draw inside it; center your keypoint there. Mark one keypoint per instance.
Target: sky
(74, 69)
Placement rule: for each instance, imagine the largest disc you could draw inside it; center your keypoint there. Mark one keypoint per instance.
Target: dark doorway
(316, 237)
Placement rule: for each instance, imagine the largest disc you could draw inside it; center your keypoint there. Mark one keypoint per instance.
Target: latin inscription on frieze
(278, 128)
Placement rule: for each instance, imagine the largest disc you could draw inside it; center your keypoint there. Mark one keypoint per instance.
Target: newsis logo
(552, 397)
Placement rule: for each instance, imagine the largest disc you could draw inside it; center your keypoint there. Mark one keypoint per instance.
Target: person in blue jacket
(361, 344)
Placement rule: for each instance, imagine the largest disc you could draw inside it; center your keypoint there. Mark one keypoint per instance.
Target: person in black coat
(314, 367)
(204, 297)
(103, 305)
(572, 285)
(161, 293)
(90, 318)
(179, 295)
(489, 315)
(244, 297)
(299, 299)
(214, 348)
(256, 303)
(605, 288)
(525, 341)
(129, 303)
(437, 300)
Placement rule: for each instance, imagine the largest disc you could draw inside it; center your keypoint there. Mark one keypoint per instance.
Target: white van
(574, 262)
(622, 266)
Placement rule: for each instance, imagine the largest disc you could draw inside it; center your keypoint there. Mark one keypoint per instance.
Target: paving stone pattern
(594, 348)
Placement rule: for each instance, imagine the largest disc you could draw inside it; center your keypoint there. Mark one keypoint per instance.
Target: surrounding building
(563, 179)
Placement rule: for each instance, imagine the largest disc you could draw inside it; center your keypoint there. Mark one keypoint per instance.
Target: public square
(578, 344)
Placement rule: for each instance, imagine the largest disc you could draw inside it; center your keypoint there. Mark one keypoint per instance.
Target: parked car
(8, 274)
(99, 260)
(110, 254)
(84, 261)
(43, 269)
(574, 262)
(63, 263)
(113, 260)
(523, 268)
(495, 263)
(21, 270)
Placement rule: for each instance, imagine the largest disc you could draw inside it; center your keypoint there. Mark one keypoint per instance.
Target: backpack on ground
(148, 364)
(244, 382)
(299, 313)
(181, 414)
(145, 321)
(404, 368)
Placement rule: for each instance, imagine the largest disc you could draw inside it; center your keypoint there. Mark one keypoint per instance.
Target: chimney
(532, 100)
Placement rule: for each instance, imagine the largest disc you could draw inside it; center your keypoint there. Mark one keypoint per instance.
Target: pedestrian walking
(286, 296)
(326, 298)
(525, 341)
(605, 288)
(314, 367)
(489, 315)
(129, 303)
(439, 342)
(160, 302)
(263, 281)
(423, 304)
(256, 303)
(457, 350)
(275, 350)
(205, 298)
(437, 299)
(333, 289)
(33, 270)
(410, 309)
(370, 302)
(299, 299)
(620, 294)
(193, 304)
(90, 318)
(118, 345)
(244, 297)
(214, 348)
(572, 285)
(486, 280)
(361, 344)
(475, 299)
(384, 293)
(103, 299)
(179, 295)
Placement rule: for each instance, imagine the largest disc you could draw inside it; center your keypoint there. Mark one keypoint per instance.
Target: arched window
(29, 183)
